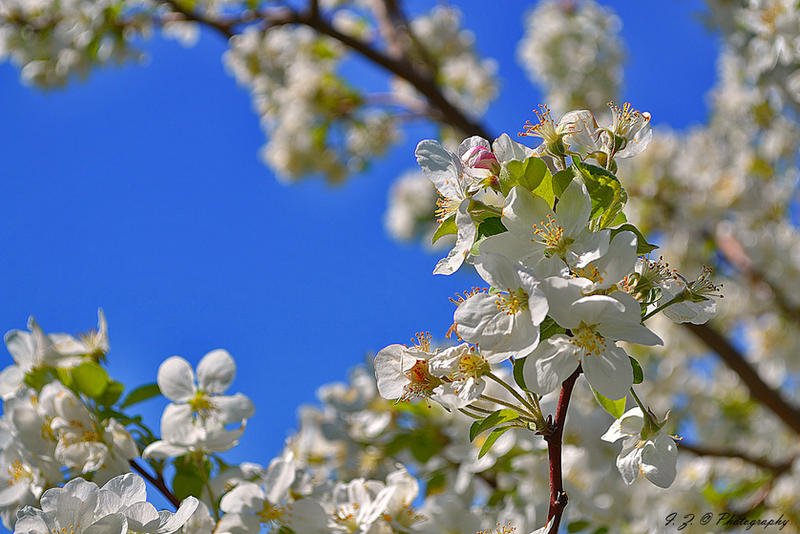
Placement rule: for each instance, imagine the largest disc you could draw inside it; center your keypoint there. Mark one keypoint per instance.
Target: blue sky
(140, 191)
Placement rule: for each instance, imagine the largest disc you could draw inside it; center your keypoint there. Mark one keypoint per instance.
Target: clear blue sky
(140, 191)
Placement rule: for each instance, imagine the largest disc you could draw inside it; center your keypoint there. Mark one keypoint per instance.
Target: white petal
(307, 516)
(110, 524)
(506, 149)
(522, 210)
(279, 478)
(470, 143)
(573, 208)
(561, 293)
(142, 517)
(128, 487)
(216, 371)
(22, 347)
(497, 270)
(465, 238)
(659, 460)
(245, 497)
(609, 372)
(177, 424)
(390, 364)
(233, 408)
(628, 461)
(597, 309)
(175, 521)
(162, 449)
(550, 364)
(630, 424)
(176, 379)
(442, 167)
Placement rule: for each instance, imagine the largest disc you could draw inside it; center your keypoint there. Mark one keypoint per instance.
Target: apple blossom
(504, 322)
(647, 449)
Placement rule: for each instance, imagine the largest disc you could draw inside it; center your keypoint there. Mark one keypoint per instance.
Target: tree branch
(558, 497)
(776, 468)
(734, 252)
(158, 483)
(759, 389)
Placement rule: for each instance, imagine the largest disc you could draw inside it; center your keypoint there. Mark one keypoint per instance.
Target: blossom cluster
(566, 284)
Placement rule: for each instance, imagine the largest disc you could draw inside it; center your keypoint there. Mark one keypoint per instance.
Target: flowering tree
(514, 437)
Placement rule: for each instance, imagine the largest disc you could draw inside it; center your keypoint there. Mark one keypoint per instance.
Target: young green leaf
(491, 438)
(447, 226)
(638, 374)
(140, 394)
(615, 407)
(493, 419)
(528, 174)
(112, 393)
(90, 378)
(607, 194)
(642, 247)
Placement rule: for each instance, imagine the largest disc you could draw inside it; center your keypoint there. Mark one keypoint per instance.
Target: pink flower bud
(480, 157)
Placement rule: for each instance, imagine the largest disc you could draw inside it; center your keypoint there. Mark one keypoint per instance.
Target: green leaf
(90, 378)
(642, 246)
(62, 373)
(112, 393)
(528, 174)
(37, 378)
(140, 394)
(493, 419)
(638, 374)
(491, 226)
(601, 530)
(545, 189)
(577, 526)
(496, 433)
(562, 179)
(447, 226)
(519, 377)
(615, 407)
(187, 482)
(549, 328)
(607, 194)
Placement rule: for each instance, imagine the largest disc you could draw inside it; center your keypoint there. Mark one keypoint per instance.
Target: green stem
(507, 404)
(516, 394)
(674, 300)
(638, 401)
(474, 416)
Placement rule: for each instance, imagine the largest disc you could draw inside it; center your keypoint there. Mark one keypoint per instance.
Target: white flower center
(512, 302)
(17, 471)
(551, 235)
(587, 339)
(421, 382)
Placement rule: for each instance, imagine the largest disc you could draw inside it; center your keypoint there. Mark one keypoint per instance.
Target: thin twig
(700, 450)
(158, 483)
(558, 497)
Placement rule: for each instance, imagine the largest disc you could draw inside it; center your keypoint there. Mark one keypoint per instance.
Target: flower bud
(480, 157)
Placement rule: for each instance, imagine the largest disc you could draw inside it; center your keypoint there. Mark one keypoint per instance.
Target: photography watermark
(724, 519)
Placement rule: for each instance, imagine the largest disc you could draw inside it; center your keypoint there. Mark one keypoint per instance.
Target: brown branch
(759, 390)
(558, 497)
(222, 26)
(776, 468)
(157, 482)
(734, 252)
(441, 108)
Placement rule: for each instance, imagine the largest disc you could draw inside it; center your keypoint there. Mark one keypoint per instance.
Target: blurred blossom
(572, 49)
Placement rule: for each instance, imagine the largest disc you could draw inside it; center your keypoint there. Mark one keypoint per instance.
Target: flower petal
(176, 379)
(609, 372)
(216, 371)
